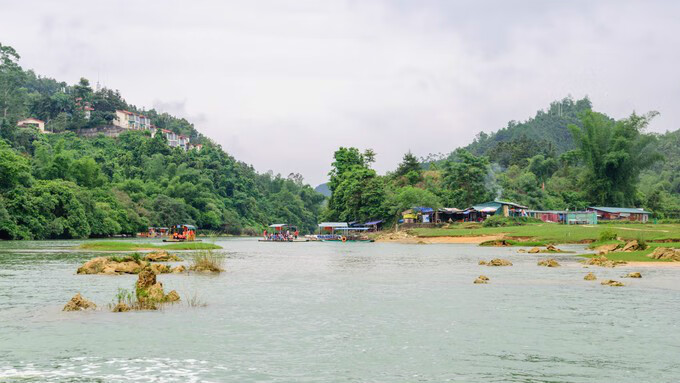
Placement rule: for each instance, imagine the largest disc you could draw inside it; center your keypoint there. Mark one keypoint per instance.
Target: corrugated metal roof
(629, 210)
(333, 224)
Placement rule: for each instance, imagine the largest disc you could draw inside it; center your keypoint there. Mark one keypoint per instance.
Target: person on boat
(265, 234)
(296, 233)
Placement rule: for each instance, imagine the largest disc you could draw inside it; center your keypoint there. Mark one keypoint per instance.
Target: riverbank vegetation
(566, 157)
(136, 246)
(63, 185)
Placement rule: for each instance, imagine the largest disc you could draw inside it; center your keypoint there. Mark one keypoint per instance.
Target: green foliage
(500, 221)
(65, 186)
(357, 193)
(607, 235)
(465, 178)
(614, 152)
(408, 197)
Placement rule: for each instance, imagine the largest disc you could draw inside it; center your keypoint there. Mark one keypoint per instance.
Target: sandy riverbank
(409, 239)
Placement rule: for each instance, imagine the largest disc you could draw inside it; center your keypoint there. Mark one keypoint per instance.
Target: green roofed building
(504, 208)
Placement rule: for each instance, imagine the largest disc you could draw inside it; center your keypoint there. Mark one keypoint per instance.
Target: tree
(14, 168)
(11, 79)
(408, 197)
(409, 164)
(614, 153)
(465, 179)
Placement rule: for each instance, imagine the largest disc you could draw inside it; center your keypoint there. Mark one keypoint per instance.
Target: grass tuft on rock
(207, 261)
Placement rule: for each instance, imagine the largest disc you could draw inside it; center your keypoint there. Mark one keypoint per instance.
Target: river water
(333, 312)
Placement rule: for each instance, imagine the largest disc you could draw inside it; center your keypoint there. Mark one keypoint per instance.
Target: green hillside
(62, 185)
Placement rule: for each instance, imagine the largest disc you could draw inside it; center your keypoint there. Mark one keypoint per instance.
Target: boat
(341, 232)
(282, 233)
(182, 233)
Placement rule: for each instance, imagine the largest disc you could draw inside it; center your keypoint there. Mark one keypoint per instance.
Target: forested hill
(546, 131)
(62, 185)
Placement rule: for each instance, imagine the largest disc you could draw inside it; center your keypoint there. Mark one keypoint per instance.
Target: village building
(620, 213)
(504, 208)
(33, 123)
(565, 216)
(129, 120)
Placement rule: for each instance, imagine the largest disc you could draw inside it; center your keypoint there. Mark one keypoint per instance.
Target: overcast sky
(282, 84)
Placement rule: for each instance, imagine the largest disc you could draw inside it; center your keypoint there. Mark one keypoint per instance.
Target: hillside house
(34, 123)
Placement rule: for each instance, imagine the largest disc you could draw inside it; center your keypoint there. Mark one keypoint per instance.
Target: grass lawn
(132, 246)
(545, 233)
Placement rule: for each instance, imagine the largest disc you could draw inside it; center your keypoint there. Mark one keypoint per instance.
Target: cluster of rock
(149, 293)
(497, 243)
(634, 274)
(162, 256)
(548, 249)
(590, 277)
(482, 279)
(124, 265)
(666, 254)
(78, 303)
(550, 262)
(611, 282)
(496, 262)
(612, 247)
(603, 261)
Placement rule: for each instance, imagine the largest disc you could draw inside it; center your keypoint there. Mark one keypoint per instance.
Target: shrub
(207, 261)
(499, 220)
(608, 235)
(642, 243)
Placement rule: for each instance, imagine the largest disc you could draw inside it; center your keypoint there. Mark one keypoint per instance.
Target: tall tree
(465, 179)
(614, 153)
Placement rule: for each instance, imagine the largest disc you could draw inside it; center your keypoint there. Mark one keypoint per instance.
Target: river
(334, 312)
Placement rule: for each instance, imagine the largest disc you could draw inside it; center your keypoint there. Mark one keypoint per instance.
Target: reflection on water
(355, 312)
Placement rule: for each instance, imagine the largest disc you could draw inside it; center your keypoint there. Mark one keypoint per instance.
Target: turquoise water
(333, 312)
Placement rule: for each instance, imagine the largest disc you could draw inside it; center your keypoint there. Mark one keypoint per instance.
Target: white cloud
(282, 84)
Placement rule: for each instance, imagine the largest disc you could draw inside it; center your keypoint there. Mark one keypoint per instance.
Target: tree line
(603, 162)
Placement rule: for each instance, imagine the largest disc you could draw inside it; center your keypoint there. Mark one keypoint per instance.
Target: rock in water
(172, 296)
(553, 249)
(146, 279)
(121, 307)
(155, 293)
(93, 266)
(634, 275)
(604, 249)
(162, 256)
(611, 282)
(548, 263)
(603, 261)
(534, 250)
(482, 263)
(111, 266)
(590, 277)
(159, 268)
(179, 269)
(482, 279)
(521, 251)
(499, 262)
(78, 303)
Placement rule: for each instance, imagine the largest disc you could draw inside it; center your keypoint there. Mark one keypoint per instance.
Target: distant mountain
(323, 189)
(547, 127)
